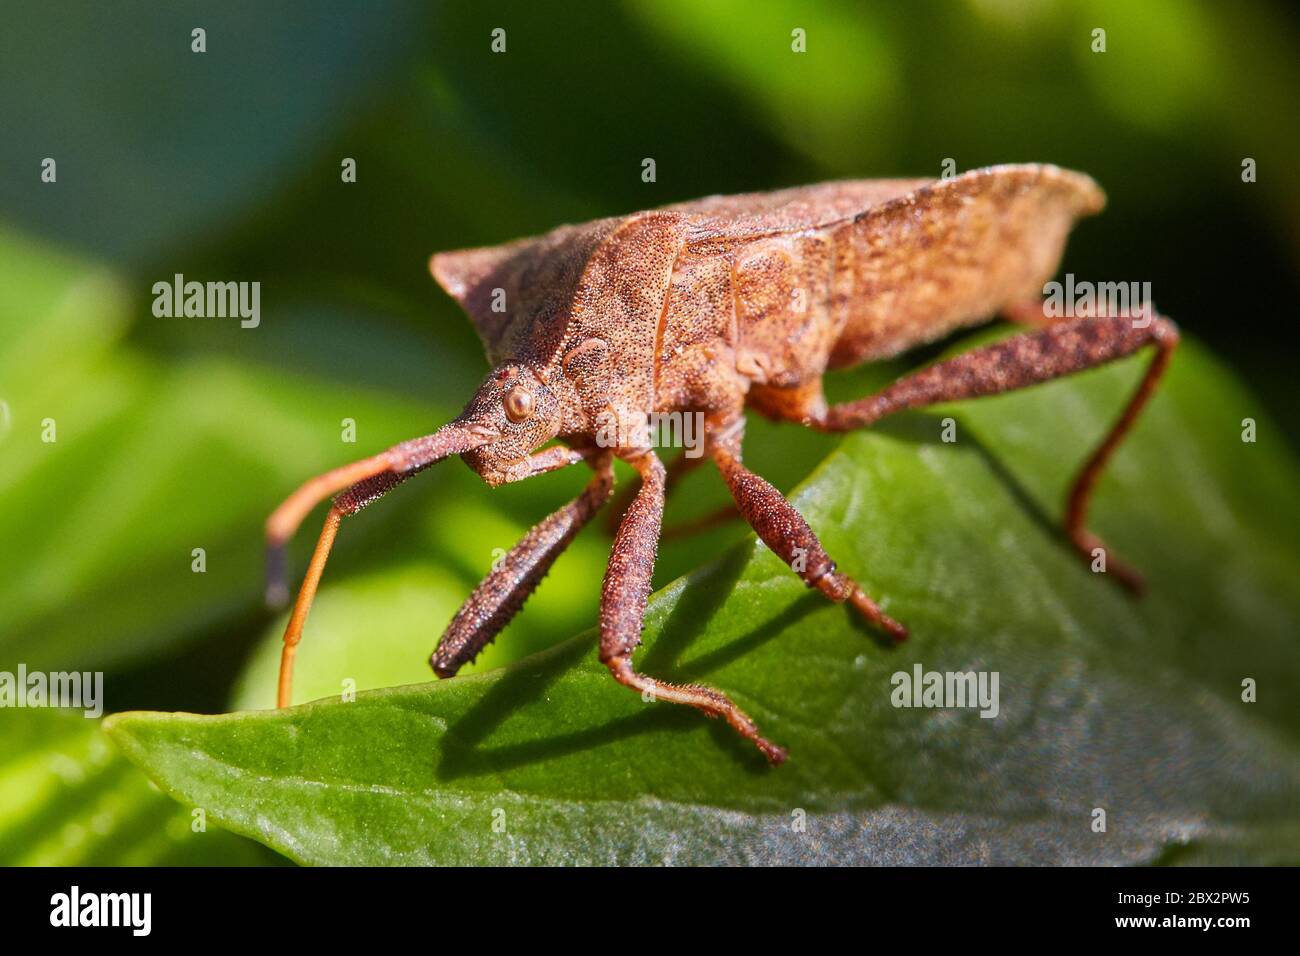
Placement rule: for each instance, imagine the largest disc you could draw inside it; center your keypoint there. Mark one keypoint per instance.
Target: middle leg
(784, 530)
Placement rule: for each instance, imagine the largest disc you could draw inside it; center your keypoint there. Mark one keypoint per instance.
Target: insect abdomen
(950, 256)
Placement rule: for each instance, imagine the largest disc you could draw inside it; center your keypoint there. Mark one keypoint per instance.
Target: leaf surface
(67, 798)
(1105, 703)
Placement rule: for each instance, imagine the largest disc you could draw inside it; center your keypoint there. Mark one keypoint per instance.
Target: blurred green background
(177, 434)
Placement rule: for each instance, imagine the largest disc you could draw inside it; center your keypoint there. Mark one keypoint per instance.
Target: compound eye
(519, 404)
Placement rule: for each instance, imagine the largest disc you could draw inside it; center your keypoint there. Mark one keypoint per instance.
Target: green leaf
(1105, 702)
(67, 798)
(153, 456)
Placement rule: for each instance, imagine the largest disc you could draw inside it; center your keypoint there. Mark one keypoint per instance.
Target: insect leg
(786, 532)
(678, 468)
(622, 608)
(1028, 312)
(503, 592)
(1027, 359)
(690, 526)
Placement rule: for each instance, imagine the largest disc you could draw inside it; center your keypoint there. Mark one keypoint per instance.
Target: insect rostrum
(712, 307)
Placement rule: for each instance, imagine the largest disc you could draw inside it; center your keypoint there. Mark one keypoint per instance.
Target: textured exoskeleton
(712, 306)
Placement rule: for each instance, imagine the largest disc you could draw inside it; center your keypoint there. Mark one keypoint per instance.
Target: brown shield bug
(711, 307)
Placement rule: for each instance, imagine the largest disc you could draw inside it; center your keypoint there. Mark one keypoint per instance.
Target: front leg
(539, 463)
(501, 594)
(623, 601)
(676, 469)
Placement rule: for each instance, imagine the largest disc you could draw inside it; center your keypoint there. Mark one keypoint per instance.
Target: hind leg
(1060, 349)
